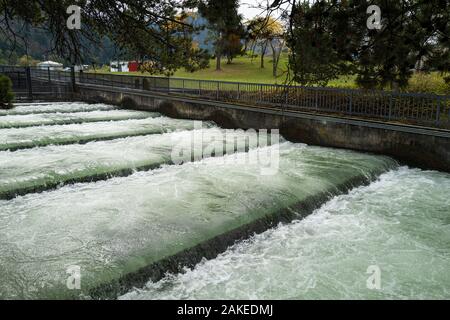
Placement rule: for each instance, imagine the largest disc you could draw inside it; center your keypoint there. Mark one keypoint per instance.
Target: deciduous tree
(140, 27)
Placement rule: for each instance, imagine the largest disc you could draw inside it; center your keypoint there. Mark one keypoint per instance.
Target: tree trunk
(274, 60)
(218, 58)
(394, 86)
(263, 53)
(276, 57)
(253, 47)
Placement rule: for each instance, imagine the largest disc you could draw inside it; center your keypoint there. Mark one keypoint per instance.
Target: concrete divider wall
(416, 146)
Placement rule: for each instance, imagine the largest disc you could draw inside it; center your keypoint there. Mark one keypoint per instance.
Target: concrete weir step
(24, 138)
(52, 107)
(47, 119)
(46, 168)
(122, 232)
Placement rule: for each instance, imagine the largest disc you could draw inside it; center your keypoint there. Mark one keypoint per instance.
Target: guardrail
(413, 108)
(34, 83)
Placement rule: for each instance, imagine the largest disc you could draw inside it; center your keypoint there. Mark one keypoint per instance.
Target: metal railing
(33, 82)
(411, 108)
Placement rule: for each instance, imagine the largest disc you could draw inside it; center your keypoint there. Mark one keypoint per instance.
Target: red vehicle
(133, 66)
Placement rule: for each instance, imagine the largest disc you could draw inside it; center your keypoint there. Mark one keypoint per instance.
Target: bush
(6, 94)
(433, 82)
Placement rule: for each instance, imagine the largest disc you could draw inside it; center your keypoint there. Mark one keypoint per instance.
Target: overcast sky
(249, 8)
(246, 8)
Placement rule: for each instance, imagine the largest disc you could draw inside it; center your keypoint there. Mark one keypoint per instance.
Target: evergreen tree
(331, 38)
(224, 20)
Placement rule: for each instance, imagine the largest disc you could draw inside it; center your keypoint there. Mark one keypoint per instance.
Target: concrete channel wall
(415, 146)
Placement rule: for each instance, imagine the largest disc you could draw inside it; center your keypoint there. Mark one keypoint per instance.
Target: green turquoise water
(19, 138)
(52, 107)
(38, 169)
(399, 224)
(114, 227)
(59, 118)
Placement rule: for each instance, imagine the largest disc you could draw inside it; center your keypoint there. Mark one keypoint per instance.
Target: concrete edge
(297, 114)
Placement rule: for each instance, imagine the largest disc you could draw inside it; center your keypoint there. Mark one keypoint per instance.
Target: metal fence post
(390, 106)
(217, 95)
(72, 78)
(447, 105)
(80, 76)
(238, 91)
(29, 83)
(350, 109)
(316, 99)
(438, 111)
(48, 74)
(286, 95)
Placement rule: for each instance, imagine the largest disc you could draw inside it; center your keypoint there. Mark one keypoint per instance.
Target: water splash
(400, 223)
(20, 138)
(114, 227)
(52, 107)
(38, 169)
(42, 119)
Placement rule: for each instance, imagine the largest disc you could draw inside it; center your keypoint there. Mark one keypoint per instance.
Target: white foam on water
(51, 107)
(400, 223)
(52, 164)
(41, 119)
(113, 227)
(73, 133)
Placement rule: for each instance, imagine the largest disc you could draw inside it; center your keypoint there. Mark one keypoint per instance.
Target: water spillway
(400, 224)
(43, 119)
(38, 136)
(124, 202)
(114, 229)
(52, 107)
(39, 169)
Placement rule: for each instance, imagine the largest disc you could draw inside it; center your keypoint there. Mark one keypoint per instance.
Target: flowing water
(42, 119)
(43, 168)
(52, 107)
(110, 228)
(21, 138)
(400, 224)
(116, 226)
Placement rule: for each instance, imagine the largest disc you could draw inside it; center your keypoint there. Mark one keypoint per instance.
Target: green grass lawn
(246, 69)
(243, 69)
